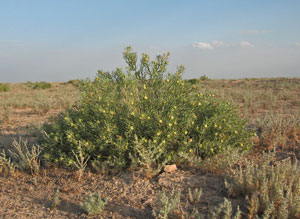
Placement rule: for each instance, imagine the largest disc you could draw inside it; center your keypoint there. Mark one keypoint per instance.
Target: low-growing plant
(278, 131)
(204, 78)
(193, 81)
(273, 187)
(194, 195)
(94, 204)
(38, 85)
(25, 157)
(225, 211)
(6, 165)
(148, 154)
(166, 204)
(150, 104)
(56, 199)
(4, 87)
(81, 162)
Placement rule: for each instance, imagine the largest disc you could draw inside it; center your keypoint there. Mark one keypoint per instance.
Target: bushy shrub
(193, 81)
(4, 87)
(204, 78)
(38, 85)
(143, 104)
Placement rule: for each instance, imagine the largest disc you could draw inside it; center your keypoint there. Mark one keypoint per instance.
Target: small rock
(170, 168)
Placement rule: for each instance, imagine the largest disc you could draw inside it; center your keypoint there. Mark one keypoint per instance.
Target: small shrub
(94, 204)
(165, 204)
(204, 78)
(224, 211)
(26, 158)
(119, 111)
(194, 195)
(273, 187)
(4, 87)
(38, 85)
(6, 165)
(56, 199)
(193, 81)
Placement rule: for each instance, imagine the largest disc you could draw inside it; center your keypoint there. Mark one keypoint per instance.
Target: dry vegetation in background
(230, 185)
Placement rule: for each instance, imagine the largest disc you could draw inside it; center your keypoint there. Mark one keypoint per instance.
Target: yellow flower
(175, 133)
(132, 102)
(215, 126)
(131, 94)
(158, 133)
(132, 113)
(131, 128)
(168, 80)
(168, 136)
(199, 104)
(212, 150)
(154, 141)
(172, 117)
(160, 121)
(235, 132)
(191, 150)
(185, 132)
(145, 87)
(86, 144)
(170, 124)
(145, 97)
(205, 126)
(148, 118)
(112, 113)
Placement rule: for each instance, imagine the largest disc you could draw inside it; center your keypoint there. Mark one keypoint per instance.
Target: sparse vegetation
(263, 185)
(38, 85)
(4, 87)
(94, 204)
(25, 157)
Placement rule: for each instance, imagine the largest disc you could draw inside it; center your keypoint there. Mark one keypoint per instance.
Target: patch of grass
(4, 87)
(25, 157)
(6, 165)
(94, 204)
(273, 187)
(165, 204)
(38, 85)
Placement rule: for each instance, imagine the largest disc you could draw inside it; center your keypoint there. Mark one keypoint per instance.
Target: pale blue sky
(58, 40)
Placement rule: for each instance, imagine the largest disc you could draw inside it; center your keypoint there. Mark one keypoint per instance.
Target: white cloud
(215, 44)
(202, 45)
(298, 44)
(254, 32)
(246, 44)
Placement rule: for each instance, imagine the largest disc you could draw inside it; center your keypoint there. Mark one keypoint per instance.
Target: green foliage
(224, 211)
(94, 204)
(119, 111)
(193, 81)
(56, 199)
(38, 85)
(25, 157)
(273, 188)
(165, 204)
(6, 165)
(204, 78)
(4, 87)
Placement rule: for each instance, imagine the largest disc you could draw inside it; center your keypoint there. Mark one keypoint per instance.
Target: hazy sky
(59, 40)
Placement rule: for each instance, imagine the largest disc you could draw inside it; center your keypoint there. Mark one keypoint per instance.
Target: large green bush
(143, 106)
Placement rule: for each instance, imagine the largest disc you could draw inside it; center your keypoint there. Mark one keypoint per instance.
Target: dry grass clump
(273, 187)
